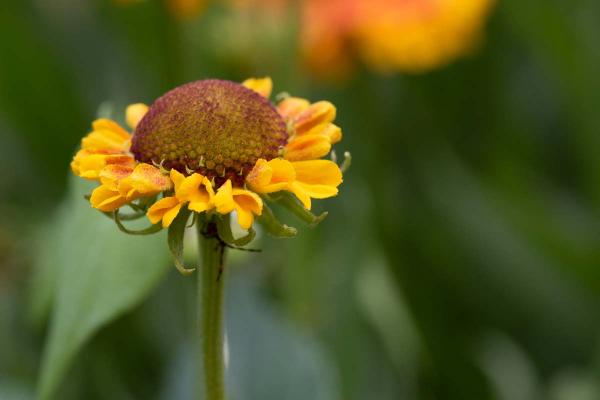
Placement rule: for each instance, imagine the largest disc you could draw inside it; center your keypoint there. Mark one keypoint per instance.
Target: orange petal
(145, 180)
(262, 86)
(329, 130)
(134, 114)
(307, 147)
(291, 107)
(88, 164)
(111, 175)
(318, 113)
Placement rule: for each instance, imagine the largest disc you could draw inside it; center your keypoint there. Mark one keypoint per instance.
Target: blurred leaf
(94, 274)
(268, 358)
(510, 370)
(11, 390)
(384, 305)
(37, 93)
(574, 384)
(271, 360)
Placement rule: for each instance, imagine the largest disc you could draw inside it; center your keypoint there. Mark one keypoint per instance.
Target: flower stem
(211, 285)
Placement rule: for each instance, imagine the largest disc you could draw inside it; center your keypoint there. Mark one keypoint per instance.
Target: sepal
(146, 231)
(346, 163)
(273, 226)
(292, 204)
(226, 235)
(175, 240)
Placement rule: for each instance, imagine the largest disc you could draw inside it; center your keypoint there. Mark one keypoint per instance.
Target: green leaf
(176, 233)
(273, 226)
(91, 273)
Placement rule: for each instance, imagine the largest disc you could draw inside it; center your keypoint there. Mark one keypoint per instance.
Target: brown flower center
(214, 127)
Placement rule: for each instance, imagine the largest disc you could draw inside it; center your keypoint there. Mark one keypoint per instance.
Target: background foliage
(459, 262)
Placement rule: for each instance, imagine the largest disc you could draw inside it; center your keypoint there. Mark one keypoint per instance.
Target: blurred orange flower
(181, 9)
(390, 35)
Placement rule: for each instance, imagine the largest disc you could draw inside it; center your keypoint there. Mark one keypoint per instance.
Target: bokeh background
(460, 261)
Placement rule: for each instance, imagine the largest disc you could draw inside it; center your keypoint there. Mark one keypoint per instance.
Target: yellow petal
(134, 114)
(318, 113)
(224, 198)
(247, 204)
(248, 200)
(307, 147)
(270, 176)
(107, 135)
(105, 124)
(198, 191)
(170, 216)
(106, 199)
(291, 107)
(299, 191)
(318, 179)
(318, 172)
(204, 200)
(262, 86)
(244, 202)
(177, 178)
(315, 191)
(165, 209)
(188, 187)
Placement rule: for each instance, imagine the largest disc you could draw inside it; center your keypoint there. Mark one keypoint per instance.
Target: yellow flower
(212, 147)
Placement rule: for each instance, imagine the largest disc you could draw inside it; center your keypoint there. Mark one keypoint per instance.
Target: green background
(460, 260)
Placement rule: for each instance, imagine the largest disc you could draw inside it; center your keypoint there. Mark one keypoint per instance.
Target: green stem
(211, 284)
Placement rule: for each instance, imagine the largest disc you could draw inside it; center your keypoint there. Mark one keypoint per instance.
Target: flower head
(212, 148)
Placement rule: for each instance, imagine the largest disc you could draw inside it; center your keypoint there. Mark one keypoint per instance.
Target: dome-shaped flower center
(217, 128)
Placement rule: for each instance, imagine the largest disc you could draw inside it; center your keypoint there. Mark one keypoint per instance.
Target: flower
(212, 147)
(389, 35)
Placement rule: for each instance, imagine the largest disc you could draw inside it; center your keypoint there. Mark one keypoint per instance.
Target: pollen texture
(214, 127)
